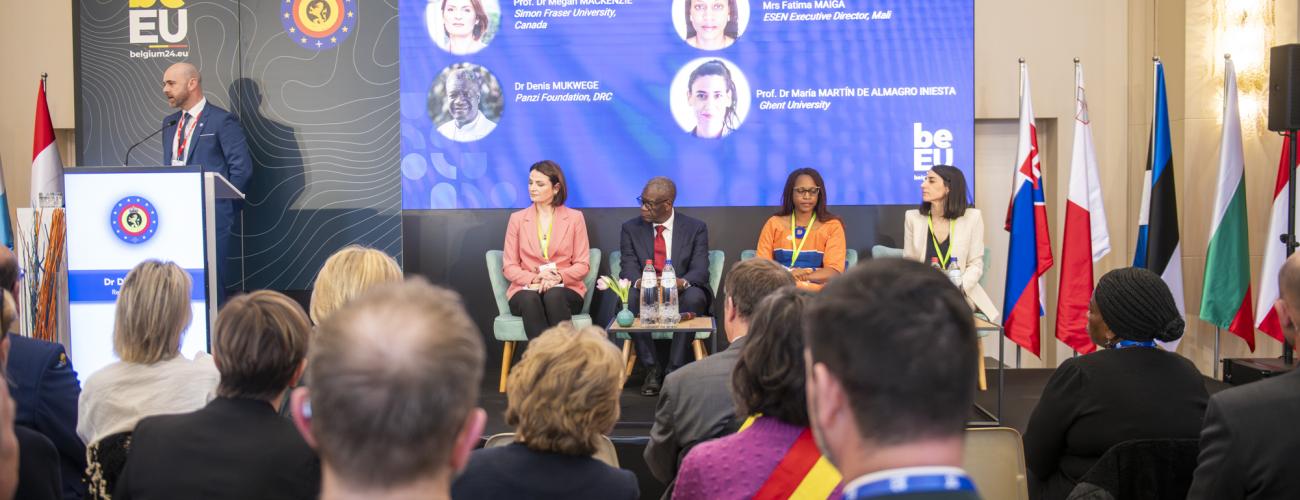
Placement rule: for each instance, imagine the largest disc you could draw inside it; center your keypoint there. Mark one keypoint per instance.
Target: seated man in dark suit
(659, 235)
(1249, 437)
(237, 446)
(45, 389)
(37, 475)
(696, 403)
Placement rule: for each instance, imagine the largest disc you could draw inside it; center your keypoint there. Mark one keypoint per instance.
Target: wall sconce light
(1244, 29)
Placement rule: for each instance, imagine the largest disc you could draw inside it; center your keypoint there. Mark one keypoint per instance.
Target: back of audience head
(153, 311)
(1133, 304)
(769, 376)
(1288, 302)
(892, 358)
(749, 281)
(563, 395)
(259, 345)
(394, 380)
(8, 270)
(346, 274)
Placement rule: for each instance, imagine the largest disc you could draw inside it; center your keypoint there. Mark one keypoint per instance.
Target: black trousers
(692, 300)
(544, 310)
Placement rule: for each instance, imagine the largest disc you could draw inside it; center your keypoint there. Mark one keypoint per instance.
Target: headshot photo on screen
(710, 24)
(465, 102)
(462, 27)
(709, 98)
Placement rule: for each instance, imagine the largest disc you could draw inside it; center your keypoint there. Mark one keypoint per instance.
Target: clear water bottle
(954, 272)
(649, 295)
(668, 315)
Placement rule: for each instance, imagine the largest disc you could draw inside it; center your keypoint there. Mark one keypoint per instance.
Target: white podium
(120, 216)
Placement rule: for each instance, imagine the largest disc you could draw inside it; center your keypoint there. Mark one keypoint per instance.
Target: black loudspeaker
(1238, 371)
(1284, 88)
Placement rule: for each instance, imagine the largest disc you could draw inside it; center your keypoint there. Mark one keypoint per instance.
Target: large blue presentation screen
(726, 97)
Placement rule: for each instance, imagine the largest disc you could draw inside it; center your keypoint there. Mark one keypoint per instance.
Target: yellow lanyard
(807, 234)
(545, 239)
(934, 239)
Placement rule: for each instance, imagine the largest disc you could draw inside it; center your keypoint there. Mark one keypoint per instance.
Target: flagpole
(1020, 99)
(1216, 353)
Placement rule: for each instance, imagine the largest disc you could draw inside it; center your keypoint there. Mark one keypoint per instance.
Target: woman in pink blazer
(546, 253)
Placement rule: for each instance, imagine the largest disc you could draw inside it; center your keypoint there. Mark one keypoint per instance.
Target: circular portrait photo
(709, 98)
(462, 27)
(465, 102)
(710, 24)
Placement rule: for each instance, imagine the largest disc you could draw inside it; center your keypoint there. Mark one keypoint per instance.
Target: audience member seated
(45, 389)
(152, 378)
(1249, 440)
(345, 275)
(695, 404)
(236, 447)
(37, 476)
(946, 227)
(546, 254)
(768, 387)
(891, 357)
(659, 235)
(1132, 389)
(803, 235)
(394, 379)
(562, 399)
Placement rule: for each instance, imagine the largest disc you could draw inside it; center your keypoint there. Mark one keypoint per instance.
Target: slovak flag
(1029, 254)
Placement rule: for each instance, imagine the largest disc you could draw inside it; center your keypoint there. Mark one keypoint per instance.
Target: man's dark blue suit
(45, 389)
(690, 256)
(218, 145)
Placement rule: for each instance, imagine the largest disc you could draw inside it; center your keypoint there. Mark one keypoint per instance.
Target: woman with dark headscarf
(1131, 389)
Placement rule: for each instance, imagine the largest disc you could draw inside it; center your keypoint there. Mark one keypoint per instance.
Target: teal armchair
(509, 328)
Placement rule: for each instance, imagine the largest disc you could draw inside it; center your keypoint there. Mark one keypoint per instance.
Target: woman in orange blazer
(804, 236)
(546, 253)
(946, 227)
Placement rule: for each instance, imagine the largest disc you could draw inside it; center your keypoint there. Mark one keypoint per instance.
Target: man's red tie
(180, 143)
(661, 248)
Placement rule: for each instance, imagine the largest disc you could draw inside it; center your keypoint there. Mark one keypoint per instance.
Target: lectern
(120, 216)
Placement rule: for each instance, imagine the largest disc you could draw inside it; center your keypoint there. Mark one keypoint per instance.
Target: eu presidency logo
(134, 220)
(319, 24)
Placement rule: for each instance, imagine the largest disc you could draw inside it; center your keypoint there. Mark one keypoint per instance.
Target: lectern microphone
(127, 156)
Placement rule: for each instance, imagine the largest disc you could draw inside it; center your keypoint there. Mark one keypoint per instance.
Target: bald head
(1288, 280)
(394, 378)
(8, 270)
(661, 187)
(182, 85)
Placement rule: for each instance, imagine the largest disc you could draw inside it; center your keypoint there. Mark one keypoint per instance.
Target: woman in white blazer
(946, 227)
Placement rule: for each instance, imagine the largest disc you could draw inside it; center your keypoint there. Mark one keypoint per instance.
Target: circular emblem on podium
(318, 24)
(134, 220)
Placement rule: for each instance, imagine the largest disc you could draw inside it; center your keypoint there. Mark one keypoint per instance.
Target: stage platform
(1022, 389)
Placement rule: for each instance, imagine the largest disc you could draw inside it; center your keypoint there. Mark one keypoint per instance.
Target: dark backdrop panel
(448, 247)
(321, 124)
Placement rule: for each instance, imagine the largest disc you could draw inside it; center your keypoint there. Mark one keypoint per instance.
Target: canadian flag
(47, 167)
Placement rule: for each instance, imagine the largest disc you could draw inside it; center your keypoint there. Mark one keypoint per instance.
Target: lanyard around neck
(934, 240)
(801, 241)
(184, 132)
(913, 484)
(1125, 344)
(544, 240)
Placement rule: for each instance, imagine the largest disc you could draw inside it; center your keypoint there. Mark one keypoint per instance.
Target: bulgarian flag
(1087, 239)
(47, 168)
(1274, 249)
(1225, 298)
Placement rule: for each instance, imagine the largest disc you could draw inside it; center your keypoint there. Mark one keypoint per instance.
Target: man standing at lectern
(658, 235)
(202, 134)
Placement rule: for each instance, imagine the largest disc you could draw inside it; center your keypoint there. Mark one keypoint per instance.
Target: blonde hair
(564, 394)
(347, 274)
(259, 342)
(153, 310)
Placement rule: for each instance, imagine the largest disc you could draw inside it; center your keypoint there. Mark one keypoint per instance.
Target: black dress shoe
(653, 381)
